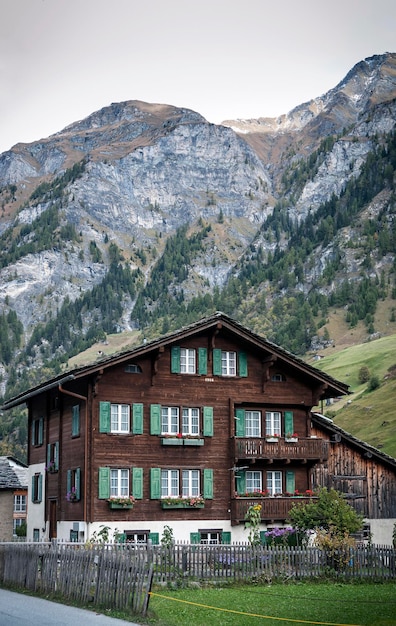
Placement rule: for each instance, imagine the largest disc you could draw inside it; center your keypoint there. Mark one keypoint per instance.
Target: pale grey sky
(61, 60)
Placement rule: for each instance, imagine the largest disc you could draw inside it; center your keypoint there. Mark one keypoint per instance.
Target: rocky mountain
(145, 216)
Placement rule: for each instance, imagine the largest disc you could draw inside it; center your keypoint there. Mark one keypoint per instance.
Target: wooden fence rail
(120, 575)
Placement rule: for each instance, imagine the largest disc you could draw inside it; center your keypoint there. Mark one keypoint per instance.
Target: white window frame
(273, 423)
(19, 503)
(120, 420)
(188, 361)
(253, 423)
(170, 420)
(254, 481)
(213, 537)
(170, 483)
(228, 363)
(190, 483)
(190, 421)
(274, 482)
(119, 483)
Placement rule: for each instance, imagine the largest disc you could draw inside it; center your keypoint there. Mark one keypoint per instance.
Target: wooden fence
(120, 575)
(102, 575)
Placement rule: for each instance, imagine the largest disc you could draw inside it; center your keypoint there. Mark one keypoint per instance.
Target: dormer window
(133, 368)
(278, 378)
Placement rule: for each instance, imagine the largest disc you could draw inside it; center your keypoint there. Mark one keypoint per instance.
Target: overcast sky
(61, 60)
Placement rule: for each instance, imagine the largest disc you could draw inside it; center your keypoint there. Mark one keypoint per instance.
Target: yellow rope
(281, 619)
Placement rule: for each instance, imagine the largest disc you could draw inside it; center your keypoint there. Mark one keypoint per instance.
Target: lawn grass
(360, 604)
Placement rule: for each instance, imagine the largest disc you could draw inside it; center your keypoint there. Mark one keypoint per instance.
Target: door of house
(52, 519)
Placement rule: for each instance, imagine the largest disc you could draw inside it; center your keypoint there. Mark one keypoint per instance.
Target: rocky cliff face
(150, 169)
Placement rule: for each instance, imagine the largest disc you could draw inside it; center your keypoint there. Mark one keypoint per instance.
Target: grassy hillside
(368, 415)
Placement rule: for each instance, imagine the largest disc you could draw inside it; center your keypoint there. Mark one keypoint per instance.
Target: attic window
(133, 368)
(278, 378)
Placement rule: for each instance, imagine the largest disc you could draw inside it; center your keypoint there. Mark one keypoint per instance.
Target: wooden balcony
(273, 509)
(304, 449)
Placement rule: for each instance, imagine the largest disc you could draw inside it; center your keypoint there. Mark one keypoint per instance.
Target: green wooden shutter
(155, 483)
(40, 488)
(104, 483)
(137, 418)
(240, 479)
(68, 481)
(48, 454)
(75, 420)
(56, 455)
(289, 422)
(41, 431)
(137, 482)
(216, 362)
(154, 538)
(226, 537)
(263, 537)
(208, 484)
(240, 423)
(242, 364)
(202, 361)
(290, 482)
(195, 537)
(104, 417)
(78, 483)
(175, 360)
(155, 419)
(32, 494)
(208, 421)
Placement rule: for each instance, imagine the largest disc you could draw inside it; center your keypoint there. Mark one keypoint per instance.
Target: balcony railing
(304, 448)
(272, 508)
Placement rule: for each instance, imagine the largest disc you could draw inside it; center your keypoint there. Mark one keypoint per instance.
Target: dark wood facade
(138, 421)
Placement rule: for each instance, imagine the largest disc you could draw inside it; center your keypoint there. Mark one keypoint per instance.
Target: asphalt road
(17, 609)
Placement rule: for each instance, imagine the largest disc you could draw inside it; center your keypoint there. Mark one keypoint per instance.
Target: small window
(75, 420)
(37, 487)
(210, 537)
(73, 479)
(137, 536)
(228, 363)
(38, 432)
(274, 482)
(169, 420)
(19, 504)
(187, 361)
(190, 421)
(120, 418)
(278, 378)
(253, 423)
(119, 483)
(273, 423)
(133, 368)
(52, 457)
(253, 482)
(36, 534)
(17, 523)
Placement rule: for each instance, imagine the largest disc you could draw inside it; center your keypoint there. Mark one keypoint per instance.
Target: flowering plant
(291, 435)
(254, 494)
(275, 435)
(71, 495)
(190, 500)
(124, 500)
(50, 467)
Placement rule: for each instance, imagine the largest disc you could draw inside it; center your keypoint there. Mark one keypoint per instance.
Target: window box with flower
(291, 437)
(51, 467)
(72, 495)
(191, 502)
(121, 502)
(272, 438)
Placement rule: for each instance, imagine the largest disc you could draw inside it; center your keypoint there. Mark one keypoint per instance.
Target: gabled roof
(365, 449)
(217, 321)
(13, 473)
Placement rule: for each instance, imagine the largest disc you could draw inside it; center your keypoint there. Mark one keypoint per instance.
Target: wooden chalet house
(186, 431)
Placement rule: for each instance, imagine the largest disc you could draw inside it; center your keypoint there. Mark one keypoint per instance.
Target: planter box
(291, 440)
(181, 505)
(171, 441)
(272, 439)
(116, 505)
(193, 442)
